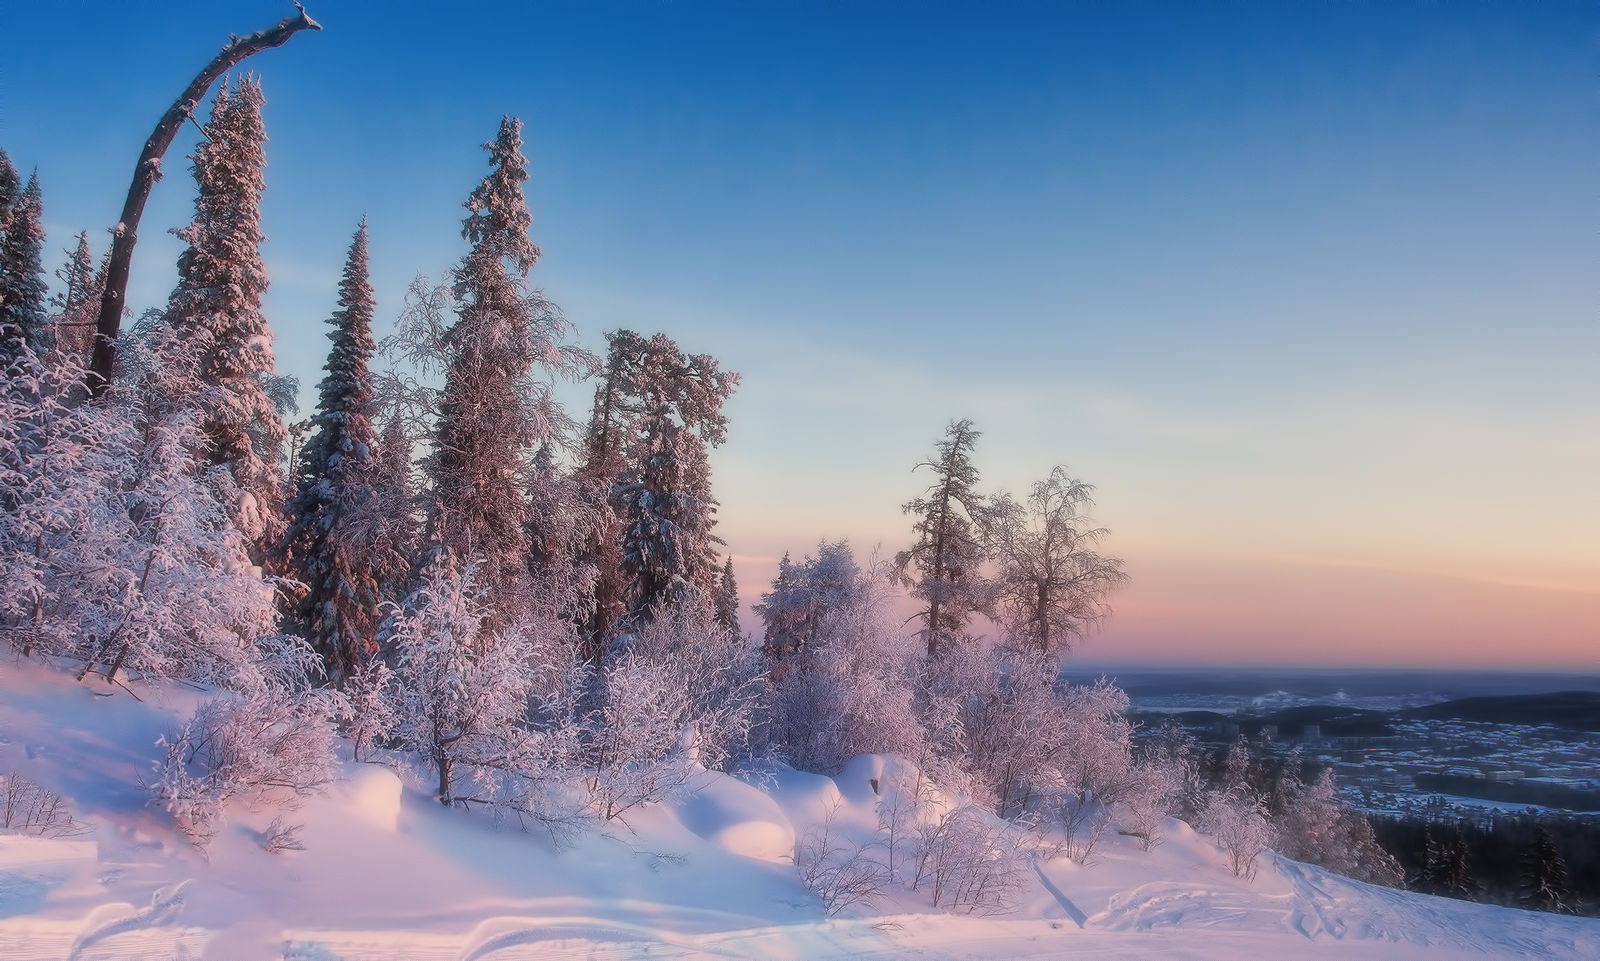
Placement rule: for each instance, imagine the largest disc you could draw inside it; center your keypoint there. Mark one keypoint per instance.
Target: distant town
(1451, 761)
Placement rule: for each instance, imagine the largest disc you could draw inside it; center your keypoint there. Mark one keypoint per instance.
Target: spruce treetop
(498, 219)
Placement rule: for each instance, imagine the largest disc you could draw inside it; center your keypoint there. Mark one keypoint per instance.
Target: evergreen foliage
(1544, 885)
(78, 305)
(216, 313)
(668, 550)
(336, 542)
(727, 599)
(497, 404)
(23, 318)
(948, 554)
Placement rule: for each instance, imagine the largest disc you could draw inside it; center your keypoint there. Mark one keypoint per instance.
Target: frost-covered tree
(846, 683)
(489, 711)
(216, 311)
(119, 549)
(1052, 581)
(392, 486)
(335, 543)
(1543, 883)
(947, 554)
(679, 696)
(497, 405)
(10, 187)
(23, 317)
(668, 512)
(805, 595)
(77, 306)
(1236, 813)
(727, 598)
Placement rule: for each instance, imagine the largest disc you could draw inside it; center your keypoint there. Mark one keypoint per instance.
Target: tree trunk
(145, 174)
(442, 761)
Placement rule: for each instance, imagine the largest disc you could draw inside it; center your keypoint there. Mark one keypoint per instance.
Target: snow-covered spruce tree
(23, 317)
(393, 488)
(805, 595)
(77, 306)
(10, 187)
(668, 548)
(612, 423)
(497, 404)
(727, 598)
(947, 554)
(215, 311)
(1542, 882)
(1052, 582)
(335, 543)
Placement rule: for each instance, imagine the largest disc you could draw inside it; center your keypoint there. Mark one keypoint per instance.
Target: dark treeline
(1543, 861)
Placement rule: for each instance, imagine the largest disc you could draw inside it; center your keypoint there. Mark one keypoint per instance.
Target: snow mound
(738, 818)
(374, 792)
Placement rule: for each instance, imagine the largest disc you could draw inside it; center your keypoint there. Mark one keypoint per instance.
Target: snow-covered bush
(492, 713)
(1151, 795)
(28, 807)
(1028, 744)
(272, 743)
(837, 872)
(969, 860)
(1236, 812)
(680, 696)
(843, 674)
(1239, 822)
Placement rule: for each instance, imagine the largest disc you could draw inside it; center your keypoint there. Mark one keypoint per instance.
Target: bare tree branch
(148, 170)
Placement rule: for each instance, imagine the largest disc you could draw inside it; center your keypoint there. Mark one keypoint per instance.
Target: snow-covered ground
(387, 873)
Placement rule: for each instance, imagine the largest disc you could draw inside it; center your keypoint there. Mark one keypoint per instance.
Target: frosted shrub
(1239, 822)
(28, 807)
(492, 713)
(839, 873)
(272, 744)
(1151, 795)
(970, 861)
(679, 698)
(368, 714)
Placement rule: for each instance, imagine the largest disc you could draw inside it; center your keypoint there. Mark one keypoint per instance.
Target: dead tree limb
(148, 170)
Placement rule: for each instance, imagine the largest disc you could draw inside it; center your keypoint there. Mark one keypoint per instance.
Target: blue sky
(1306, 289)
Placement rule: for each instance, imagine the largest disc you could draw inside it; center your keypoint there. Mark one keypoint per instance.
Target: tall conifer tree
(22, 284)
(493, 411)
(334, 526)
(215, 310)
(78, 304)
(947, 553)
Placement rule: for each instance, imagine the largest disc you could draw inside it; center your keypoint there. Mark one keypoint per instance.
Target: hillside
(1573, 710)
(386, 873)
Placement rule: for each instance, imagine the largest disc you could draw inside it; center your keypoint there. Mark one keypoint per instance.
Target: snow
(386, 873)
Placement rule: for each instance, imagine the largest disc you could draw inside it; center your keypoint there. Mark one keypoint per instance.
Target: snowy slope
(386, 873)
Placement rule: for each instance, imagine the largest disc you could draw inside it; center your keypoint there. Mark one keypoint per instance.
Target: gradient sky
(1306, 289)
